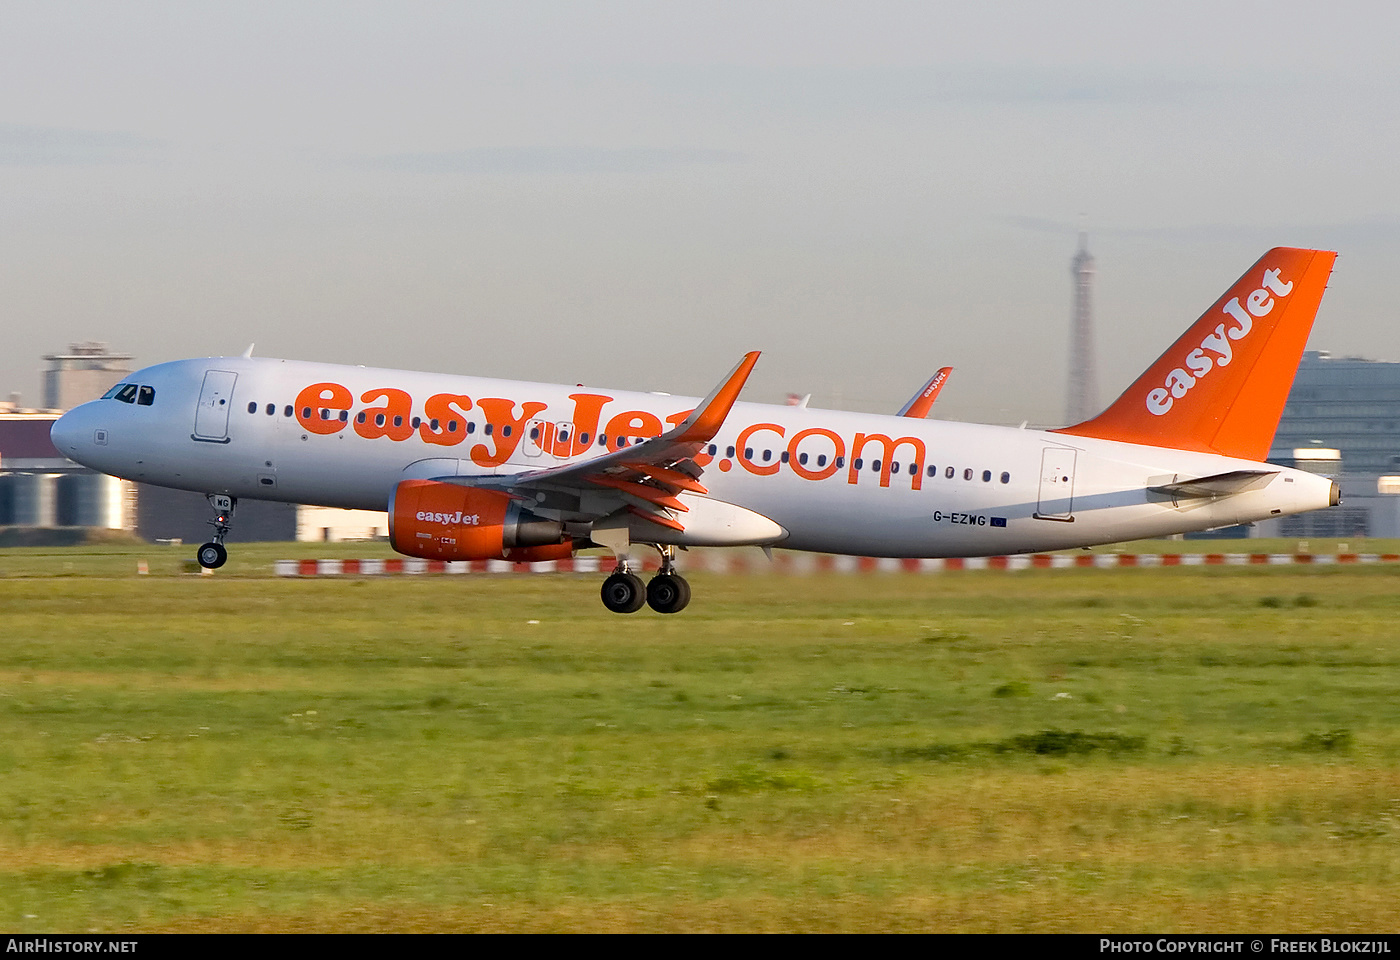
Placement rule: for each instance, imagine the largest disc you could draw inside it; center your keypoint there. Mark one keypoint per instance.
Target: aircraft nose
(73, 433)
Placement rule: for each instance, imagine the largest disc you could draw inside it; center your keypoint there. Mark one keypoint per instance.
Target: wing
(644, 478)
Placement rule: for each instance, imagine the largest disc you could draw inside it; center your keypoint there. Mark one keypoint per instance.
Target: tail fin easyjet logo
(1215, 349)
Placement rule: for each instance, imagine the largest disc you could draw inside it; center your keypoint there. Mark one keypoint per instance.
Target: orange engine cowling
(446, 521)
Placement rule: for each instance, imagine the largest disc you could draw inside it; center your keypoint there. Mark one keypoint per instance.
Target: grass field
(1193, 749)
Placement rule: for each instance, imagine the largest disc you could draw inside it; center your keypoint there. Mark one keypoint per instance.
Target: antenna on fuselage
(249, 351)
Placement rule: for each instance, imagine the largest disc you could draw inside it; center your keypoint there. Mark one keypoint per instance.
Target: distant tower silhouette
(1083, 378)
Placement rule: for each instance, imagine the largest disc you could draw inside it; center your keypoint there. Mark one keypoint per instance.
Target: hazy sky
(633, 194)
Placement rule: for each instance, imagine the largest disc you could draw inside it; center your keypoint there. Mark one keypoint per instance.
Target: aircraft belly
(869, 520)
(1112, 503)
(337, 484)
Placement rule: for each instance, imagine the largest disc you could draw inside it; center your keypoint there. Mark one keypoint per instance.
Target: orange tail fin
(1222, 386)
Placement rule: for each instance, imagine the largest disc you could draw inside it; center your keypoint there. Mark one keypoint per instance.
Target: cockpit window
(131, 393)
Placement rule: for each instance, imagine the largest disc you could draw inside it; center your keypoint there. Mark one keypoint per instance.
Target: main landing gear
(668, 591)
(212, 555)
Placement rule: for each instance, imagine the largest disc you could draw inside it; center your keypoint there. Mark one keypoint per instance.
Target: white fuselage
(833, 481)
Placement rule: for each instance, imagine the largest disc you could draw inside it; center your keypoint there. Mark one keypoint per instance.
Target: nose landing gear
(212, 555)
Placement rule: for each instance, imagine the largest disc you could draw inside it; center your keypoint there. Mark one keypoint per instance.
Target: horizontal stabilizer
(1219, 485)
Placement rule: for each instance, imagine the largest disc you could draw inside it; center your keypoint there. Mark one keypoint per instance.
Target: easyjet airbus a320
(472, 468)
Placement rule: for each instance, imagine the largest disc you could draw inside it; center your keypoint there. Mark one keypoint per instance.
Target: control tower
(1083, 396)
(84, 373)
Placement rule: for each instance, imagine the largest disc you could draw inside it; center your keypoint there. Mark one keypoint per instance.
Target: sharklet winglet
(706, 419)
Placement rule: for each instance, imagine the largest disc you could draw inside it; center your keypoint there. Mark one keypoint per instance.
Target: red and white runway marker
(798, 564)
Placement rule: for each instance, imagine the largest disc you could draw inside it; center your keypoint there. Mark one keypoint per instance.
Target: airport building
(1342, 420)
(47, 498)
(39, 488)
(83, 373)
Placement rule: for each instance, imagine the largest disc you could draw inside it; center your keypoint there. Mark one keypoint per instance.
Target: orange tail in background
(1222, 386)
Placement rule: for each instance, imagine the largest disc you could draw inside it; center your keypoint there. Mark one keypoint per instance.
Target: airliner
(473, 468)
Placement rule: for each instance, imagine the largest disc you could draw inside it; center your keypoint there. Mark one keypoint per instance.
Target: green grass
(1176, 750)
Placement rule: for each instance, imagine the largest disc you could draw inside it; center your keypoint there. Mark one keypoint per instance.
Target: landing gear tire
(624, 593)
(212, 556)
(668, 593)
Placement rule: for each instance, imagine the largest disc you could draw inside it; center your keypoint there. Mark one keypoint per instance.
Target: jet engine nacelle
(447, 521)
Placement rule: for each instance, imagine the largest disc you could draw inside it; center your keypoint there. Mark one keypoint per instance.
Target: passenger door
(215, 401)
(1057, 484)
